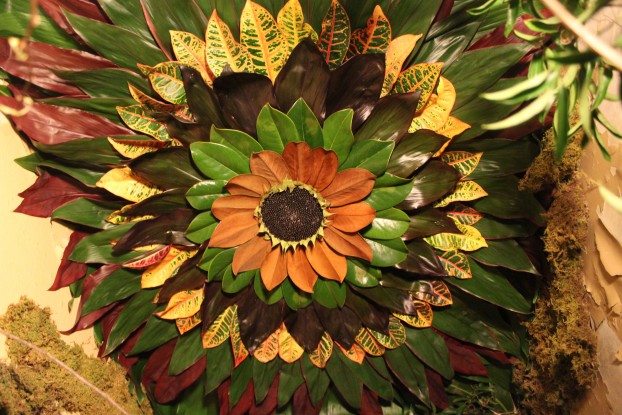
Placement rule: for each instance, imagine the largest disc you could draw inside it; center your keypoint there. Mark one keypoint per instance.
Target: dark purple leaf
(438, 396)
(429, 221)
(258, 320)
(390, 118)
(413, 151)
(433, 182)
(391, 298)
(305, 327)
(162, 203)
(422, 259)
(371, 316)
(341, 323)
(167, 229)
(169, 387)
(201, 99)
(217, 302)
(170, 168)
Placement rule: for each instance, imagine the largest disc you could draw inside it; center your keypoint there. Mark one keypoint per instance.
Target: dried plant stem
(591, 40)
(67, 368)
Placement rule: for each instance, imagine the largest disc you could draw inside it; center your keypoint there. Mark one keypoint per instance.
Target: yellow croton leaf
(138, 118)
(465, 215)
(190, 51)
(320, 356)
(396, 336)
(186, 324)
(148, 101)
(354, 353)
(155, 275)
(222, 49)
(262, 38)
(165, 79)
(134, 148)
(469, 240)
(118, 218)
(239, 350)
(123, 183)
(334, 38)
(293, 27)
(220, 330)
(453, 127)
(373, 38)
(463, 161)
(369, 343)
(464, 191)
(456, 264)
(436, 112)
(399, 49)
(422, 319)
(269, 349)
(289, 349)
(183, 304)
(433, 292)
(422, 77)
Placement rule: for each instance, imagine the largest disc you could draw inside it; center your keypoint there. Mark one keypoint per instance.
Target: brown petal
(230, 205)
(300, 271)
(269, 165)
(234, 230)
(248, 185)
(324, 168)
(298, 159)
(347, 244)
(349, 186)
(327, 262)
(250, 255)
(352, 218)
(274, 269)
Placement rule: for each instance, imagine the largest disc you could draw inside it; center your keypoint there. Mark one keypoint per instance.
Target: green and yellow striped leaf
(134, 148)
(166, 80)
(150, 102)
(456, 264)
(262, 38)
(465, 215)
(463, 161)
(470, 239)
(398, 51)
(436, 112)
(291, 22)
(433, 292)
(320, 356)
(138, 119)
(220, 330)
(354, 353)
(269, 349)
(334, 38)
(125, 184)
(186, 324)
(422, 319)
(155, 275)
(239, 350)
(289, 349)
(368, 342)
(183, 304)
(190, 51)
(422, 77)
(118, 218)
(373, 38)
(396, 336)
(221, 48)
(464, 191)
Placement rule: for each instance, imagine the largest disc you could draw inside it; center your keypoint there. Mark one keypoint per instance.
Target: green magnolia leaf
(309, 129)
(86, 212)
(387, 252)
(361, 275)
(219, 264)
(501, 229)
(136, 311)
(328, 293)
(317, 380)
(202, 227)
(294, 297)
(232, 284)
(187, 352)
(388, 191)
(337, 133)
(156, 333)
(388, 224)
(413, 151)
(372, 155)
(236, 140)
(208, 257)
(119, 285)
(431, 349)
(290, 378)
(507, 254)
(268, 297)
(202, 195)
(218, 161)
(275, 129)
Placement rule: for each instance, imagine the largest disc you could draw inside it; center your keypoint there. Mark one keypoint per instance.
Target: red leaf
(493, 354)
(158, 363)
(86, 8)
(44, 59)
(444, 11)
(463, 359)
(50, 124)
(223, 397)
(302, 403)
(169, 387)
(128, 361)
(436, 388)
(107, 324)
(369, 403)
(49, 192)
(268, 406)
(69, 271)
(247, 400)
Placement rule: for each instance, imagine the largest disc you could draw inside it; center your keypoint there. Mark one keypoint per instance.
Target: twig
(591, 40)
(67, 368)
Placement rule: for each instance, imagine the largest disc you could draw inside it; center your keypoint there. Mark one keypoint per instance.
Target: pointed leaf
(399, 49)
(123, 183)
(422, 77)
(275, 129)
(220, 330)
(222, 49)
(291, 22)
(320, 356)
(183, 304)
(371, 155)
(202, 195)
(155, 275)
(374, 38)
(190, 50)
(334, 39)
(337, 133)
(135, 148)
(218, 161)
(464, 191)
(309, 129)
(456, 264)
(239, 350)
(388, 224)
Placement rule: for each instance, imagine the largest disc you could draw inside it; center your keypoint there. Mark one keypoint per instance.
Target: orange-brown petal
(325, 163)
(352, 218)
(234, 230)
(297, 157)
(349, 186)
(350, 244)
(327, 262)
(248, 185)
(230, 205)
(270, 166)
(250, 255)
(274, 269)
(300, 271)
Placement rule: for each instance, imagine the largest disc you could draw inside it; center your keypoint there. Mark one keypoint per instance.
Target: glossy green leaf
(134, 313)
(128, 15)
(188, 350)
(387, 252)
(97, 249)
(220, 362)
(263, 376)
(268, 297)
(431, 349)
(202, 227)
(361, 275)
(491, 228)
(337, 133)
(218, 161)
(15, 23)
(309, 129)
(434, 181)
(317, 380)
(219, 264)
(170, 168)
(507, 254)
(232, 284)
(202, 195)
(294, 297)
(369, 377)
(388, 224)
(236, 140)
(156, 333)
(85, 150)
(388, 191)
(275, 129)
(86, 212)
(410, 371)
(371, 155)
(413, 151)
(119, 285)
(329, 293)
(347, 384)
(450, 45)
(208, 257)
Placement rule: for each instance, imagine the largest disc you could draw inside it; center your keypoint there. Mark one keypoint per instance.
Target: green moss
(32, 384)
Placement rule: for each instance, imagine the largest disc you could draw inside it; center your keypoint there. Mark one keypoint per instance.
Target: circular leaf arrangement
(297, 217)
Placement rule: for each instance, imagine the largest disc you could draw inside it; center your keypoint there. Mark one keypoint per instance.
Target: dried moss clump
(32, 384)
(562, 364)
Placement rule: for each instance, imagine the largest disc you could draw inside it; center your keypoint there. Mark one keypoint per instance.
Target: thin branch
(67, 368)
(591, 40)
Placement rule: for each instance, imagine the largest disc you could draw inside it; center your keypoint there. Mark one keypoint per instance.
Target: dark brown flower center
(292, 215)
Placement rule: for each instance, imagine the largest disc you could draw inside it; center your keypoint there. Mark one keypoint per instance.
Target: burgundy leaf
(463, 359)
(69, 271)
(86, 8)
(49, 192)
(108, 322)
(369, 403)
(436, 389)
(169, 387)
(246, 402)
(223, 397)
(124, 359)
(444, 11)
(258, 320)
(341, 323)
(158, 363)
(302, 403)
(268, 406)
